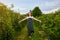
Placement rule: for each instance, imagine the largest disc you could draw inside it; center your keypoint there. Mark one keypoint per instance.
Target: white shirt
(30, 17)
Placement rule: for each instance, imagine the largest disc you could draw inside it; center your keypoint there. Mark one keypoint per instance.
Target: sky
(23, 6)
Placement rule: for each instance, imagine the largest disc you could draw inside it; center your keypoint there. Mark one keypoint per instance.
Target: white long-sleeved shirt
(30, 17)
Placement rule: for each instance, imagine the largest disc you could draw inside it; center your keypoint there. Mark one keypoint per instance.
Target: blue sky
(25, 5)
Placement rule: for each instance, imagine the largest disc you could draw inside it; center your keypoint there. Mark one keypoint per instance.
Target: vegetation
(11, 30)
(36, 12)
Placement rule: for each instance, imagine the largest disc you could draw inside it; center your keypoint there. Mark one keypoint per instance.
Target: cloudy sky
(25, 5)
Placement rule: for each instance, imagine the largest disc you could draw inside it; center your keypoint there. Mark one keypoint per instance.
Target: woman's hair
(29, 13)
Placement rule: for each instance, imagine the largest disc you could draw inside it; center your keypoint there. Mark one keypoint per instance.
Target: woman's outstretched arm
(22, 20)
(36, 19)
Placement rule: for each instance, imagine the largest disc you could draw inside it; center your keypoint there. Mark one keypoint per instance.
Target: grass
(38, 35)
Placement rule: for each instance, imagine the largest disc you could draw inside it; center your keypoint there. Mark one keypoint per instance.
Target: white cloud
(46, 12)
(51, 3)
(19, 8)
(54, 3)
(47, 6)
(22, 10)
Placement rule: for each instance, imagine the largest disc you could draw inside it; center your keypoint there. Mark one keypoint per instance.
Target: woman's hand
(36, 19)
(22, 20)
(40, 21)
(19, 22)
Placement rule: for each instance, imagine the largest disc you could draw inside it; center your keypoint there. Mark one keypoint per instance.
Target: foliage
(36, 12)
(8, 18)
(51, 25)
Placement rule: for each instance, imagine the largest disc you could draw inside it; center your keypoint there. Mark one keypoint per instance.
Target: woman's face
(30, 14)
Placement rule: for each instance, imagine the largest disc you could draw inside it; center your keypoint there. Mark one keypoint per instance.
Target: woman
(29, 23)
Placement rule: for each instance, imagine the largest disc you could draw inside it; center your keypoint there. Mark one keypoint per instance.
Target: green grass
(38, 35)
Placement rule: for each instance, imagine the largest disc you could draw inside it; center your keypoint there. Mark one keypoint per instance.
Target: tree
(36, 12)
